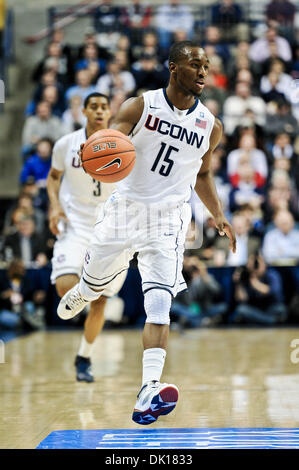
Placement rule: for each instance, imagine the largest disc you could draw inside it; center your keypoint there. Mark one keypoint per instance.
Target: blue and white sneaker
(71, 303)
(83, 369)
(153, 400)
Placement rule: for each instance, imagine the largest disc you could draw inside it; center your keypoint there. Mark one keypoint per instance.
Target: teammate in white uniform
(74, 198)
(174, 136)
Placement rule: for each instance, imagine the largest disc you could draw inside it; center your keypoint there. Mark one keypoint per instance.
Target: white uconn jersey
(169, 147)
(79, 193)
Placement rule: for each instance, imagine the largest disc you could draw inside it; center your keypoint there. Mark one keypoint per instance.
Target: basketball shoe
(83, 369)
(153, 400)
(71, 304)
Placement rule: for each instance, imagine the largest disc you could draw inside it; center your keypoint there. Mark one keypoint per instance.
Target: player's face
(97, 112)
(190, 73)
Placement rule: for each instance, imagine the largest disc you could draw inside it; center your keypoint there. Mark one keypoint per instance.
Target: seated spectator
(213, 107)
(83, 86)
(108, 23)
(247, 153)
(49, 78)
(217, 71)
(42, 125)
(282, 147)
(283, 83)
(38, 165)
(247, 126)
(201, 305)
(26, 244)
(39, 195)
(212, 92)
(73, 118)
(149, 45)
(57, 61)
(116, 80)
(212, 38)
(228, 16)
(247, 244)
(281, 243)
(280, 119)
(281, 11)
(137, 19)
(246, 190)
(58, 36)
(236, 105)
(23, 207)
(91, 61)
(90, 38)
(258, 294)
(173, 17)
(281, 195)
(262, 49)
(149, 74)
(22, 301)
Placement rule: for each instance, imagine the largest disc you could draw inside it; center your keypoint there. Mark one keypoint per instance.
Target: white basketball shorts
(68, 258)
(124, 227)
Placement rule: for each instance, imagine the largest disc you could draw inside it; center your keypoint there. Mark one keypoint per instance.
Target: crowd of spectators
(252, 87)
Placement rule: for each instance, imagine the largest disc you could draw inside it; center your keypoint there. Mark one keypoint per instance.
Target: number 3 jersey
(170, 144)
(79, 193)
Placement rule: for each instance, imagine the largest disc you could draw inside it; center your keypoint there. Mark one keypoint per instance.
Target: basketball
(108, 156)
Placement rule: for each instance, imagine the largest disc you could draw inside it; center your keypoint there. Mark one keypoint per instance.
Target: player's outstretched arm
(206, 190)
(56, 211)
(129, 114)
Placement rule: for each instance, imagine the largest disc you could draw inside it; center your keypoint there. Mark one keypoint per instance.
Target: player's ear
(172, 67)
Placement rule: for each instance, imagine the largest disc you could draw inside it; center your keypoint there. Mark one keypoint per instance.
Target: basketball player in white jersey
(74, 197)
(174, 136)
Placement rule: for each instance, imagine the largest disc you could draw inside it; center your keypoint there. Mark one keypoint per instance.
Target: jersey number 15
(165, 169)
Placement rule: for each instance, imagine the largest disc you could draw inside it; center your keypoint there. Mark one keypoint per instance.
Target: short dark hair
(97, 95)
(177, 50)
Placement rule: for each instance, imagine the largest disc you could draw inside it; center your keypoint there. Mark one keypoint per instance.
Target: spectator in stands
(228, 16)
(108, 23)
(212, 39)
(91, 61)
(201, 305)
(281, 243)
(58, 62)
(149, 45)
(26, 244)
(38, 164)
(281, 195)
(247, 153)
(282, 147)
(43, 124)
(217, 71)
(258, 294)
(116, 80)
(90, 38)
(149, 74)
(58, 36)
(246, 190)
(281, 11)
(270, 45)
(2, 24)
(22, 298)
(247, 244)
(23, 207)
(173, 17)
(280, 119)
(236, 105)
(73, 118)
(212, 92)
(283, 83)
(49, 78)
(137, 19)
(83, 86)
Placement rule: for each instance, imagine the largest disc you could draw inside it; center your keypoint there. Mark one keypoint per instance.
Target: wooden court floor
(227, 378)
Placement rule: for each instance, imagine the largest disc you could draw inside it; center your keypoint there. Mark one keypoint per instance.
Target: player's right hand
(56, 214)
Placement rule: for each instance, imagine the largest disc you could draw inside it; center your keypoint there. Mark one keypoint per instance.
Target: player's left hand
(225, 228)
(80, 153)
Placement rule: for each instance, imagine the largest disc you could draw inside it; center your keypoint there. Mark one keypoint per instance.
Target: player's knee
(65, 283)
(157, 303)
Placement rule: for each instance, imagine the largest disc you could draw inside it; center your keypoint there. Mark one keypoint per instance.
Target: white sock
(153, 363)
(85, 348)
(88, 293)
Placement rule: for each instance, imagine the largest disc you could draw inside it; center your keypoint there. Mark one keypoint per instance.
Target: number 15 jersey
(170, 144)
(79, 193)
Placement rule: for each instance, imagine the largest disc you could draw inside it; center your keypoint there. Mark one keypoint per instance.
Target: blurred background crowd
(253, 87)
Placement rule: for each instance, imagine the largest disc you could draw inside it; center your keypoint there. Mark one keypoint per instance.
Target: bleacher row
(252, 87)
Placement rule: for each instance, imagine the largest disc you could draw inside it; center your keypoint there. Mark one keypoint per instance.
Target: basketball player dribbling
(174, 136)
(74, 197)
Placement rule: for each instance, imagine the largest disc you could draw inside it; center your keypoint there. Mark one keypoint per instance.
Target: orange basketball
(108, 156)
